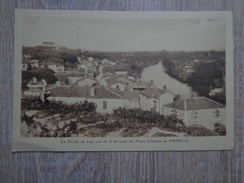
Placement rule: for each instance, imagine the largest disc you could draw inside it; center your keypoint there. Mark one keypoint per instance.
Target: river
(160, 78)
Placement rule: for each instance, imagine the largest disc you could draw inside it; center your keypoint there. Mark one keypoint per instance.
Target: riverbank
(157, 74)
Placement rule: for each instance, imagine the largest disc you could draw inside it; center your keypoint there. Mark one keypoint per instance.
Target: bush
(54, 107)
(138, 116)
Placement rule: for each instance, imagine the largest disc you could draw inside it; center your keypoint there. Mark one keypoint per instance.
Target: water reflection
(160, 78)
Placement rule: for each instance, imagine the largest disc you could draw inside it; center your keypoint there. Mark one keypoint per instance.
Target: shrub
(54, 107)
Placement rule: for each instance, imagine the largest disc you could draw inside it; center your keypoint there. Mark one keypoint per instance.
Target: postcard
(123, 81)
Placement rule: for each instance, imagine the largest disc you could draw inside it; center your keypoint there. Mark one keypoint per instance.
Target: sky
(126, 35)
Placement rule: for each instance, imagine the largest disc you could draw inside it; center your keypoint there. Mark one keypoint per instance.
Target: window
(194, 115)
(154, 104)
(104, 104)
(216, 114)
(174, 112)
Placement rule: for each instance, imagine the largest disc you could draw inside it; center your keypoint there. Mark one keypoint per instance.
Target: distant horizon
(133, 51)
(126, 35)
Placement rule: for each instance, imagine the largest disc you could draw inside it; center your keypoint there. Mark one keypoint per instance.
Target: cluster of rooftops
(105, 88)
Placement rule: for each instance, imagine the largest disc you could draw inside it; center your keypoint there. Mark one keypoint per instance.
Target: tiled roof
(141, 84)
(107, 74)
(114, 79)
(152, 92)
(51, 86)
(126, 94)
(83, 92)
(77, 74)
(82, 79)
(197, 103)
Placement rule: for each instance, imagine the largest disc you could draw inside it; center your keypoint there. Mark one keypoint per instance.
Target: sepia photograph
(149, 77)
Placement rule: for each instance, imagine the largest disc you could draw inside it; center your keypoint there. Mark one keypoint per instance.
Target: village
(110, 87)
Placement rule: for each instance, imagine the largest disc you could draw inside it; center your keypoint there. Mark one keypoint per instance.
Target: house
(74, 76)
(27, 56)
(101, 77)
(131, 98)
(105, 61)
(56, 67)
(26, 65)
(120, 72)
(90, 59)
(104, 99)
(89, 68)
(86, 82)
(34, 63)
(154, 99)
(112, 63)
(48, 44)
(139, 86)
(37, 90)
(200, 110)
(118, 83)
(106, 68)
(216, 92)
(57, 84)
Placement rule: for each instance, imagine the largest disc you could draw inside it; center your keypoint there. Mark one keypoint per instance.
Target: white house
(34, 63)
(120, 72)
(131, 98)
(85, 82)
(73, 79)
(56, 67)
(118, 83)
(154, 99)
(49, 44)
(104, 99)
(216, 91)
(200, 110)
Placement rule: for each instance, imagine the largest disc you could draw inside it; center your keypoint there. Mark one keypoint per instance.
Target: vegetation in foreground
(58, 119)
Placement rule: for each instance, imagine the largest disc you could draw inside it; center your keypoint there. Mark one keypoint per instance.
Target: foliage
(39, 74)
(64, 56)
(170, 67)
(138, 116)
(54, 107)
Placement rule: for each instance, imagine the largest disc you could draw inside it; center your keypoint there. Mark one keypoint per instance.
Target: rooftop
(197, 103)
(82, 79)
(83, 92)
(114, 79)
(152, 92)
(126, 94)
(107, 74)
(53, 63)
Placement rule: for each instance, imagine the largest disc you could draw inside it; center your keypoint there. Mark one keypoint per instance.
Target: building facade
(197, 111)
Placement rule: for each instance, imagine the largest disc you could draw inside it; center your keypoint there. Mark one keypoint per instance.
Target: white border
(54, 144)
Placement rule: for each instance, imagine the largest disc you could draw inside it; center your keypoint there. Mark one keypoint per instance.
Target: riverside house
(104, 99)
(198, 111)
(154, 99)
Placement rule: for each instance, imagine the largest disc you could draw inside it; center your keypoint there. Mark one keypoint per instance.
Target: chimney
(165, 88)
(151, 83)
(185, 106)
(86, 72)
(92, 92)
(177, 97)
(58, 83)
